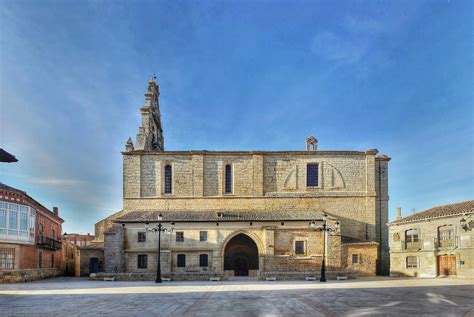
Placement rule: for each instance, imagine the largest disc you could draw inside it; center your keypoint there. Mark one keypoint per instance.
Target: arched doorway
(241, 255)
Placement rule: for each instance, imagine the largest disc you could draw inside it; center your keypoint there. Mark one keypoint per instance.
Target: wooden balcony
(48, 243)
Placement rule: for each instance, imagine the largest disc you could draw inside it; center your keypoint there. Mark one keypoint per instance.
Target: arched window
(411, 239)
(203, 260)
(181, 260)
(228, 179)
(446, 236)
(168, 179)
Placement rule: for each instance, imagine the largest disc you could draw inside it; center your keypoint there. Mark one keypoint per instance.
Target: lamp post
(324, 228)
(159, 228)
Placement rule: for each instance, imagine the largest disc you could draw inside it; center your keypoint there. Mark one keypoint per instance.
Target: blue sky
(247, 75)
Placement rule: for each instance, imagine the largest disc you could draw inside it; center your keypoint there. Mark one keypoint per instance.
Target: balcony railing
(48, 243)
(445, 243)
(410, 245)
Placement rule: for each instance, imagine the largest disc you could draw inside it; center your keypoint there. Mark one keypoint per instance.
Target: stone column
(198, 175)
(258, 175)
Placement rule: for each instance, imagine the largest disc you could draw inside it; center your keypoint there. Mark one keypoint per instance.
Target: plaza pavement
(67, 296)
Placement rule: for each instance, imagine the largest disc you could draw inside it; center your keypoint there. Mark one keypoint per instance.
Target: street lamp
(324, 228)
(159, 228)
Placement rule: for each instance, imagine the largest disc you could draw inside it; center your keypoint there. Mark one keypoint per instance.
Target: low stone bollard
(215, 279)
(310, 278)
(166, 279)
(341, 277)
(109, 279)
(271, 279)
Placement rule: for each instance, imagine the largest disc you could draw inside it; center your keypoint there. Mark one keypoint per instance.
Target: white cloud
(56, 182)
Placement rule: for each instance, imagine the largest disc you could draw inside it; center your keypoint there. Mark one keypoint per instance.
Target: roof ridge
(438, 211)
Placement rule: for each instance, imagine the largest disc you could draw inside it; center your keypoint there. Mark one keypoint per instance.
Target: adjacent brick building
(30, 246)
(435, 242)
(246, 212)
(80, 240)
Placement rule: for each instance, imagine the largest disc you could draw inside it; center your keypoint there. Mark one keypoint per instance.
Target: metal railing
(48, 243)
(410, 245)
(445, 243)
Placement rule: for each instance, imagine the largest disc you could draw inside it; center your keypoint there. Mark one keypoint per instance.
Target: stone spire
(150, 133)
(129, 145)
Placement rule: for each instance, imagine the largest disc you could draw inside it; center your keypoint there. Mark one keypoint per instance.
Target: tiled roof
(11, 189)
(440, 211)
(225, 216)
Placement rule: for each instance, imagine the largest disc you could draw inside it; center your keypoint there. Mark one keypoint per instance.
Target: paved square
(362, 297)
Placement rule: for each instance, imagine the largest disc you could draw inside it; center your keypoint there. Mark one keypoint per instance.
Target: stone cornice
(203, 152)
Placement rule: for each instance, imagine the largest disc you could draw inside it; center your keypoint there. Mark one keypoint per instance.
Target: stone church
(246, 213)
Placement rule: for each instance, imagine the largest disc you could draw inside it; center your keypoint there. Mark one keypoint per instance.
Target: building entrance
(447, 265)
(241, 255)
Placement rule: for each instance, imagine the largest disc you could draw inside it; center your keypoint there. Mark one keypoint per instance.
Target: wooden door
(447, 265)
(451, 265)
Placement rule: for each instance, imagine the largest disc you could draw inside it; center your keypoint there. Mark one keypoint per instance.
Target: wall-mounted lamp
(465, 225)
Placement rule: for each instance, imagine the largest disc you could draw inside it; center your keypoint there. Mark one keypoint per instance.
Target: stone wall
(113, 250)
(19, 276)
(381, 207)
(198, 174)
(275, 243)
(367, 258)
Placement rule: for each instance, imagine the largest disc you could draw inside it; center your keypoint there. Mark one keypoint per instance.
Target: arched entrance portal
(241, 255)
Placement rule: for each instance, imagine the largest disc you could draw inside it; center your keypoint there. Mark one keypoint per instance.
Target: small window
(202, 235)
(355, 259)
(299, 247)
(141, 237)
(312, 175)
(168, 179)
(52, 260)
(40, 259)
(179, 236)
(412, 261)
(142, 261)
(228, 179)
(7, 259)
(203, 260)
(53, 234)
(181, 260)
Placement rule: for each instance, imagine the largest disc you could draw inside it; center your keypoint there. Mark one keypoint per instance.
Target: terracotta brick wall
(28, 257)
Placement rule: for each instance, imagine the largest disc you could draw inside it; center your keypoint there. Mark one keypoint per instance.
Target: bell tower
(150, 133)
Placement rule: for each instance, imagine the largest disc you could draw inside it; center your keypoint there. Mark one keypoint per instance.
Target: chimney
(399, 213)
(55, 211)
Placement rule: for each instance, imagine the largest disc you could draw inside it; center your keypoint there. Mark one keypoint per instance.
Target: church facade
(246, 212)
